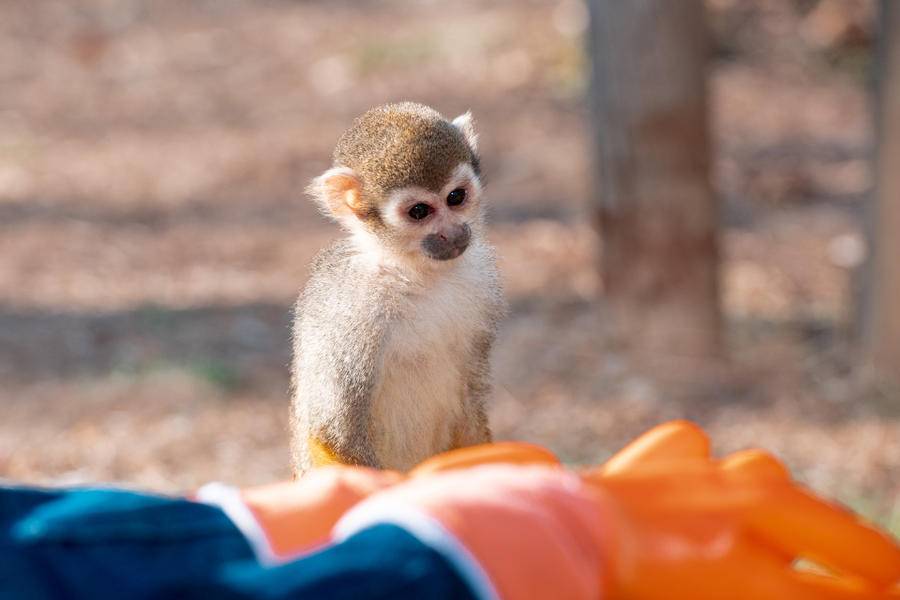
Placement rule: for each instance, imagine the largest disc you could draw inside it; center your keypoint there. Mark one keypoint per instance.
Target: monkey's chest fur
(420, 403)
(388, 371)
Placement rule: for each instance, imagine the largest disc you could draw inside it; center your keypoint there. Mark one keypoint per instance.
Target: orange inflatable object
(733, 528)
(537, 532)
(662, 519)
(675, 442)
(511, 453)
(297, 516)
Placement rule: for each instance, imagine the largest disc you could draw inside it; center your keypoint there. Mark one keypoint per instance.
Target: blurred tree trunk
(882, 296)
(653, 201)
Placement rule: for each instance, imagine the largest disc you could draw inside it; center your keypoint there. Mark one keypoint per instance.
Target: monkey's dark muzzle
(447, 245)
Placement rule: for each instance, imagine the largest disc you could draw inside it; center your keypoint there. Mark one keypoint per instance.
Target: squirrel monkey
(393, 330)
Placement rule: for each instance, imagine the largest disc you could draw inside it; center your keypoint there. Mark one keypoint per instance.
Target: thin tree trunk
(654, 204)
(882, 311)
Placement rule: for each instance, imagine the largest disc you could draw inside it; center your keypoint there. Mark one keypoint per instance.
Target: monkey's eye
(420, 211)
(456, 197)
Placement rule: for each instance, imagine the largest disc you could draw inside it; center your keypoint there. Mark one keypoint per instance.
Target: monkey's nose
(449, 243)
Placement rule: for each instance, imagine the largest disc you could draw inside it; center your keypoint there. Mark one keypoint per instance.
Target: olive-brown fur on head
(396, 145)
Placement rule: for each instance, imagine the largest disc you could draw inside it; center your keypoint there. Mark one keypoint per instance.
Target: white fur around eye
(463, 177)
(399, 202)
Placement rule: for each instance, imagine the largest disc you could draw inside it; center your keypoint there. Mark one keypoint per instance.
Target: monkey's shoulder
(338, 286)
(333, 265)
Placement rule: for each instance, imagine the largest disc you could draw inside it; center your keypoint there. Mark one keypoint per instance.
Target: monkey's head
(406, 180)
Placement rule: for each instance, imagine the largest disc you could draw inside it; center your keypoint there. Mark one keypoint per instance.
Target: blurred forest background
(154, 232)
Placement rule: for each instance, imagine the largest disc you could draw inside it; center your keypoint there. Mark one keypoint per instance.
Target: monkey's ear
(338, 191)
(466, 124)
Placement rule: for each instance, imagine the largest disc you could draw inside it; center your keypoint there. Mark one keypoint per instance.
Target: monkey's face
(406, 184)
(435, 225)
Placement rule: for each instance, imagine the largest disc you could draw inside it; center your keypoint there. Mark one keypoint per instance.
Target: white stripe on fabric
(427, 530)
(229, 499)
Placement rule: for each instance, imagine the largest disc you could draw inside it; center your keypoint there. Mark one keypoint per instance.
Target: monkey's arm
(338, 346)
(336, 379)
(473, 428)
(347, 430)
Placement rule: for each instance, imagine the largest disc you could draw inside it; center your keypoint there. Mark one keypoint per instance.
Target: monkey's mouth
(448, 254)
(444, 252)
(443, 247)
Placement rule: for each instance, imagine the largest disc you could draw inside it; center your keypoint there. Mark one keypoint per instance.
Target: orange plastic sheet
(701, 528)
(677, 523)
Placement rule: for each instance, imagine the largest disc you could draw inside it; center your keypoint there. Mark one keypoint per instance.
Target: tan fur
(391, 345)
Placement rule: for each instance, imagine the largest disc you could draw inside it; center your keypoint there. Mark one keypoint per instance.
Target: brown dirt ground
(153, 230)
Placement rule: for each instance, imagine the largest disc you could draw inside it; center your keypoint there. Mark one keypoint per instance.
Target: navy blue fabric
(95, 543)
(381, 562)
(115, 544)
